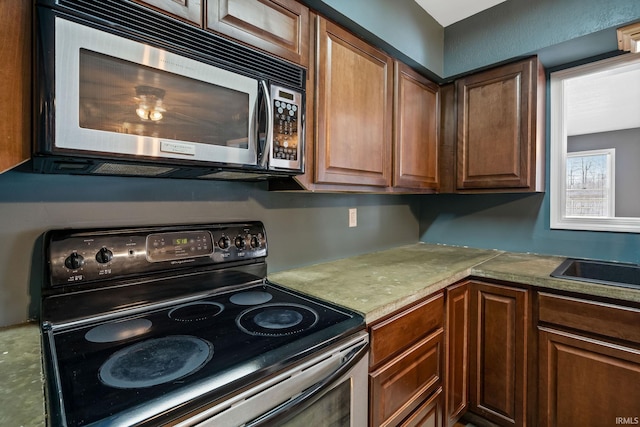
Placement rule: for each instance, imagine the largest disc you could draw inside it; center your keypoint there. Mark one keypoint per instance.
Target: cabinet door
(15, 83)
(498, 345)
(586, 382)
(354, 110)
(277, 26)
(457, 357)
(500, 133)
(416, 119)
(190, 10)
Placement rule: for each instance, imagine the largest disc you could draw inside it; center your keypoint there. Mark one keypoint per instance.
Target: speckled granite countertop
(21, 394)
(535, 270)
(379, 283)
(374, 284)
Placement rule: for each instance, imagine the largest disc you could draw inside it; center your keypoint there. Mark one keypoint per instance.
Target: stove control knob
(255, 243)
(239, 242)
(224, 243)
(74, 261)
(104, 255)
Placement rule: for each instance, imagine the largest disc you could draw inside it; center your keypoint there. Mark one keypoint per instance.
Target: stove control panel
(78, 256)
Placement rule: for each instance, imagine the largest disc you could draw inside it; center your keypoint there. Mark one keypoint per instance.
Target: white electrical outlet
(353, 217)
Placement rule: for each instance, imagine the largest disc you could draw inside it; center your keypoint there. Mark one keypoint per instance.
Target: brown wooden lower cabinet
(498, 341)
(407, 362)
(573, 362)
(587, 382)
(589, 362)
(457, 352)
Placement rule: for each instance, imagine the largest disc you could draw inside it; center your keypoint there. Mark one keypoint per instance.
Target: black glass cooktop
(188, 352)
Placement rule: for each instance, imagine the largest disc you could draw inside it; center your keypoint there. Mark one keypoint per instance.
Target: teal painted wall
(302, 228)
(523, 27)
(521, 222)
(400, 27)
(311, 228)
(518, 223)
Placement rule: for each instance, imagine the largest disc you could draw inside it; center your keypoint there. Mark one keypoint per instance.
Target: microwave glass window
(125, 97)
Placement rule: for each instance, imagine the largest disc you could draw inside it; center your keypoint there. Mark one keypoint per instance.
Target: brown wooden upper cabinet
(188, 10)
(279, 27)
(416, 129)
(372, 122)
(354, 90)
(500, 140)
(276, 26)
(15, 33)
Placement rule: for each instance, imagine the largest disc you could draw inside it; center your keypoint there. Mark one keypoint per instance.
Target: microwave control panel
(287, 134)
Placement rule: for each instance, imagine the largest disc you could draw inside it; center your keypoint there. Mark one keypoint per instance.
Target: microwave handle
(269, 136)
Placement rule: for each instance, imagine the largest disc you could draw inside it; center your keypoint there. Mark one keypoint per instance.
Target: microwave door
(116, 96)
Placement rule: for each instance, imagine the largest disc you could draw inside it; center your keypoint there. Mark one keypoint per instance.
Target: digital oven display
(179, 245)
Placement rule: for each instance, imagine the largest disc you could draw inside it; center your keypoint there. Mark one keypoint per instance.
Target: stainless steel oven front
(330, 389)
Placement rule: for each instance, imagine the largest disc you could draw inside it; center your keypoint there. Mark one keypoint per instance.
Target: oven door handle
(269, 136)
(312, 394)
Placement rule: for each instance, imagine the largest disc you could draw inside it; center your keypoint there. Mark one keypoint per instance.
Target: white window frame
(558, 155)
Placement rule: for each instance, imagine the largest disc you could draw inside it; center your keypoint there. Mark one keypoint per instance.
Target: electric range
(144, 326)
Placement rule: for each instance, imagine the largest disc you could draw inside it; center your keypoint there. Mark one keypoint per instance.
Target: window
(589, 184)
(595, 146)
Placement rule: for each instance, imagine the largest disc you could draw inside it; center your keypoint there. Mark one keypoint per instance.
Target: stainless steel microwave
(125, 90)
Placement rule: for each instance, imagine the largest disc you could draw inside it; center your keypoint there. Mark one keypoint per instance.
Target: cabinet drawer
(392, 336)
(609, 320)
(402, 385)
(429, 414)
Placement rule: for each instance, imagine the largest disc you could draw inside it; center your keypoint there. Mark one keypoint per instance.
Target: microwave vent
(171, 34)
(232, 175)
(134, 170)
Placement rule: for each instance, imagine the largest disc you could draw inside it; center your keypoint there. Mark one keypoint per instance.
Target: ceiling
(447, 12)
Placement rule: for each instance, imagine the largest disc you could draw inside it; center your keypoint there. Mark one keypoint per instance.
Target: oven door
(330, 389)
(116, 96)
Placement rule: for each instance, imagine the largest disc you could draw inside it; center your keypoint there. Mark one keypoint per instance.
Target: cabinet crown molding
(629, 38)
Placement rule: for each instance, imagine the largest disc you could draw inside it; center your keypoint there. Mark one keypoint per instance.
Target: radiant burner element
(277, 319)
(195, 311)
(251, 298)
(118, 331)
(156, 361)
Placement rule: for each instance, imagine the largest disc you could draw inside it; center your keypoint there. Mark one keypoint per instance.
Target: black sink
(607, 273)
